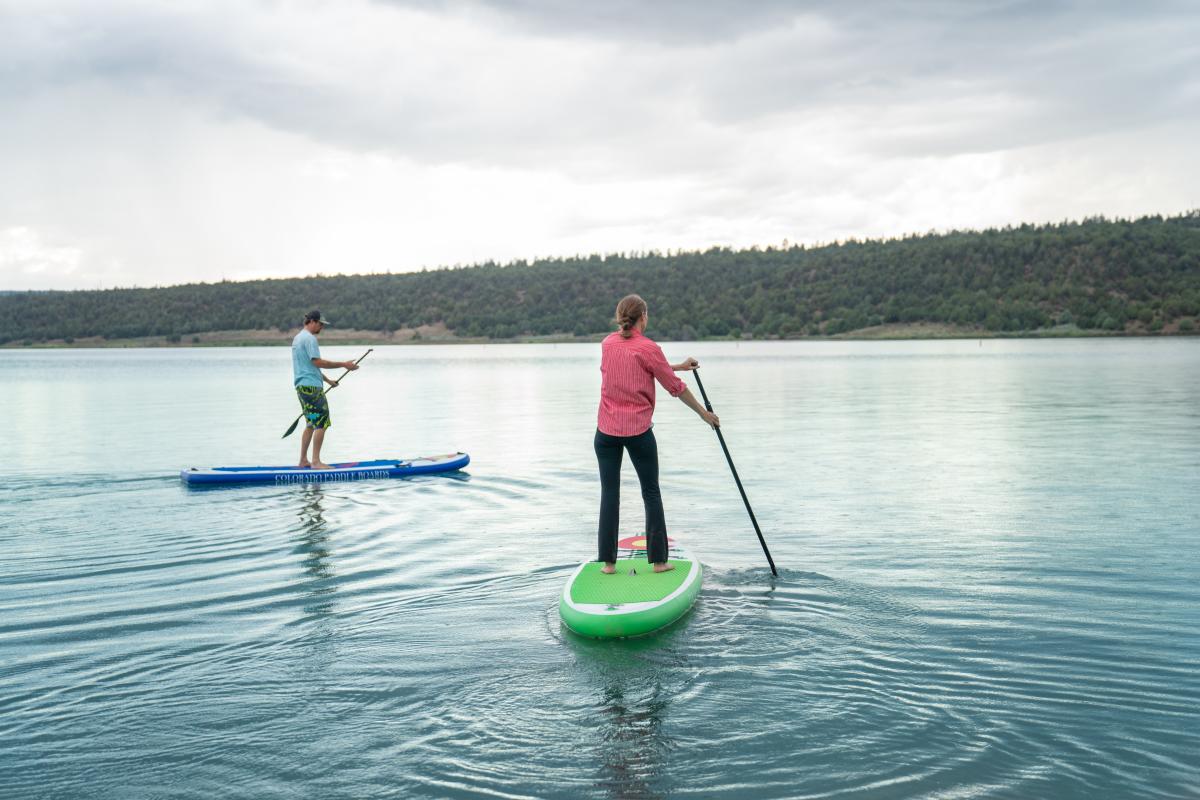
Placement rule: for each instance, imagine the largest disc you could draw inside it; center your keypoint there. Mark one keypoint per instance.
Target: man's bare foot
(320, 465)
(304, 465)
(609, 568)
(664, 567)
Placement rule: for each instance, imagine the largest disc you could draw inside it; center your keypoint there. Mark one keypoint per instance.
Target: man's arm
(324, 363)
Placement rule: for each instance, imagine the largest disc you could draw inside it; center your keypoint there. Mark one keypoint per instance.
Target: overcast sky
(153, 143)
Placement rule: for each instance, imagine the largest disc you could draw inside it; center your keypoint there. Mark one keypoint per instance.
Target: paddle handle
(737, 479)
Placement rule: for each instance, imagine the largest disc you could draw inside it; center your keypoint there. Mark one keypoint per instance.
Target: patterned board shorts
(314, 405)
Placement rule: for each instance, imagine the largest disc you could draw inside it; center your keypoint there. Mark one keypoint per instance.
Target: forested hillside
(1099, 275)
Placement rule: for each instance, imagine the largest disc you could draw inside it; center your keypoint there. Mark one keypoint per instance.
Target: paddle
(296, 422)
(738, 480)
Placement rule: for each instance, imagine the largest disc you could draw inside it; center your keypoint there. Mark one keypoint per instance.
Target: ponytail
(629, 311)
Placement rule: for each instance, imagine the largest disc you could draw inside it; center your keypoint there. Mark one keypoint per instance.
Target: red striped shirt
(629, 368)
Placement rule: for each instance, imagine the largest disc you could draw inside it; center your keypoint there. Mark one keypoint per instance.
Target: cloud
(458, 86)
(24, 253)
(200, 140)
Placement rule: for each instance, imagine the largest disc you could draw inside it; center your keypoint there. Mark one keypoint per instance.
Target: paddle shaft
(296, 421)
(347, 372)
(737, 479)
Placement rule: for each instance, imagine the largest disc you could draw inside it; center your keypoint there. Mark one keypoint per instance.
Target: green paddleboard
(633, 601)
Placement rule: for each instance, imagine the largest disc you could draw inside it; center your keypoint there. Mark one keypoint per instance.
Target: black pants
(643, 452)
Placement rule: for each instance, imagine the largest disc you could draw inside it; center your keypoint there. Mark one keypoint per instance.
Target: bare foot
(320, 465)
(664, 567)
(609, 568)
(304, 465)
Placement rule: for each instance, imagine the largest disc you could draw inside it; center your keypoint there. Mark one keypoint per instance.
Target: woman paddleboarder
(629, 365)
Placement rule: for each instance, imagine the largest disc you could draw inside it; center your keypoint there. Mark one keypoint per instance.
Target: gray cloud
(912, 78)
(732, 120)
(665, 21)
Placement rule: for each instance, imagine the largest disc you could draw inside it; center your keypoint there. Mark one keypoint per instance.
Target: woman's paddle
(296, 422)
(738, 480)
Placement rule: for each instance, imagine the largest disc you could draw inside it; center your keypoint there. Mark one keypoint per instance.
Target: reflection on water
(634, 748)
(313, 544)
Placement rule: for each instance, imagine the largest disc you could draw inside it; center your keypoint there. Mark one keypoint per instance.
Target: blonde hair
(629, 311)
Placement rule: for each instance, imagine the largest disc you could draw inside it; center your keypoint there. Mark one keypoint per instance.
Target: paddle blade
(289, 431)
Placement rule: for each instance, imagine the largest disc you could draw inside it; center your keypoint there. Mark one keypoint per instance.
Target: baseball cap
(315, 316)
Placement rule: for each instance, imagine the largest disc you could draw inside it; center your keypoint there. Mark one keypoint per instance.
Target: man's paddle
(738, 480)
(296, 422)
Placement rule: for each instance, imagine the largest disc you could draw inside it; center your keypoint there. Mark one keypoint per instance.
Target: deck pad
(633, 601)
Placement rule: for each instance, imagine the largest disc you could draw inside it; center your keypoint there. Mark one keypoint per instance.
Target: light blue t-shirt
(304, 350)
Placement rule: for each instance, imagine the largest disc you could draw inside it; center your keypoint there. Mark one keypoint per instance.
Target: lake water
(989, 578)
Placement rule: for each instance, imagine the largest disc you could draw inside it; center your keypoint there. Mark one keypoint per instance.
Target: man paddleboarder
(309, 381)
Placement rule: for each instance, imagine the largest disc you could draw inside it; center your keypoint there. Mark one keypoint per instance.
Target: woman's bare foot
(664, 567)
(320, 465)
(609, 568)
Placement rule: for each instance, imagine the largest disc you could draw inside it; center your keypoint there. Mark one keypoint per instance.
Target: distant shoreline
(900, 332)
(1092, 278)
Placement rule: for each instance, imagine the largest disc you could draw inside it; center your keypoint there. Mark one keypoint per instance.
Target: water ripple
(988, 588)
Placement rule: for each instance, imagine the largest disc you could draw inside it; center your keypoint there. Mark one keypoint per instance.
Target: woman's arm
(691, 402)
(689, 399)
(665, 373)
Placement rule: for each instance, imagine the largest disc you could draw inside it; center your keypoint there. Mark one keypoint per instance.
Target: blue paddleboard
(349, 471)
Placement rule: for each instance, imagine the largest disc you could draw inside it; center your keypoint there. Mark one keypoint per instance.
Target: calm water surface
(989, 580)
